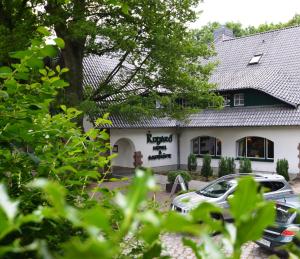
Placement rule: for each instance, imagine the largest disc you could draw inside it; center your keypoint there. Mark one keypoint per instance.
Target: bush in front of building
(245, 166)
(226, 166)
(206, 170)
(282, 168)
(192, 162)
(230, 165)
(184, 174)
(223, 169)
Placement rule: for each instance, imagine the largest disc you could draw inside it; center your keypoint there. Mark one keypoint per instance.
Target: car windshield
(216, 190)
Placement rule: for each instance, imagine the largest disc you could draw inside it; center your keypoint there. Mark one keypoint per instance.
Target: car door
(274, 190)
(225, 205)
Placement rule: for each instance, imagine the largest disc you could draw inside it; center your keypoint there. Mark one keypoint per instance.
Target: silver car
(219, 190)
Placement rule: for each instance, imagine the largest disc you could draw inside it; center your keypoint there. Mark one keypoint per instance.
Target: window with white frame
(206, 145)
(239, 100)
(255, 147)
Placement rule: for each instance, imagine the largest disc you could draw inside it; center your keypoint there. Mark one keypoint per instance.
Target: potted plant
(192, 162)
(171, 179)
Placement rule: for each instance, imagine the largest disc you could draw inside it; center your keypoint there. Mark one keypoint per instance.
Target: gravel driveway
(172, 242)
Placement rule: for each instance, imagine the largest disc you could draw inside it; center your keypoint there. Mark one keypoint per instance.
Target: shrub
(230, 165)
(245, 166)
(282, 168)
(173, 174)
(226, 166)
(192, 162)
(206, 169)
(223, 168)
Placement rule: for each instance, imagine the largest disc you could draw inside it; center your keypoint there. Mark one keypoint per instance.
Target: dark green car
(287, 224)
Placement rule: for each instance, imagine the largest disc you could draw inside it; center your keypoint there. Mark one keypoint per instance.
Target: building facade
(259, 78)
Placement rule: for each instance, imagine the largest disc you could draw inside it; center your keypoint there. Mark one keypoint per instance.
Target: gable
(277, 73)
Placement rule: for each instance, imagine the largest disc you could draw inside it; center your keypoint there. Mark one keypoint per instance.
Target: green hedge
(226, 166)
(282, 168)
(245, 166)
(206, 169)
(173, 174)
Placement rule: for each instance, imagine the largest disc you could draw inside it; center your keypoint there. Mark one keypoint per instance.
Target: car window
(217, 189)
(283, 214)
(270, 186)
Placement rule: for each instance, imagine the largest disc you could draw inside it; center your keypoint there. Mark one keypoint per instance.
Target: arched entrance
(124, 162)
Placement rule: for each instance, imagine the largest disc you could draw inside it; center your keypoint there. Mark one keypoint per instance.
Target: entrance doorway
(124, 162)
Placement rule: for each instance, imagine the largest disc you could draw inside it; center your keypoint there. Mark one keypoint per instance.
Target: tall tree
(239, 30)
(17, 27)
(150, 38)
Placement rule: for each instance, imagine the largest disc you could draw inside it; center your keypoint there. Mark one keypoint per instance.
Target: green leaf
(5, 72)
(42, 30)
(125, 8)
(43, 72)
(49, 51)
(244, 199)
(153, 252)
(60, 83)
(96, 217)
(3, 95)
(252, 230)
(55, 193)
(178, 223)
(64, 70)
(60, 42)
(35, 62)
(11, 85)
(20, 54)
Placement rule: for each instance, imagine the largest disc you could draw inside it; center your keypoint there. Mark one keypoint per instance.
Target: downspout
(178, 133)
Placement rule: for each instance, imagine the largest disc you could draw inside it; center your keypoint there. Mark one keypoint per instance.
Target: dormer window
(239, 100)
(255, 59)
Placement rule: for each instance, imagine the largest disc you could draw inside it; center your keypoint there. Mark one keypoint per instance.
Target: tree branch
(119, 89)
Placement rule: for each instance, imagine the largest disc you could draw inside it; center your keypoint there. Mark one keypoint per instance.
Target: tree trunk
(72, 56)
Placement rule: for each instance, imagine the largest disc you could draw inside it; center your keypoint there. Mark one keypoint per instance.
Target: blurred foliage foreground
(49, 210)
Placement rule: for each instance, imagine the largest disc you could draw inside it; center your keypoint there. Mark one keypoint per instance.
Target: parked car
(276, 188)
(287, 224)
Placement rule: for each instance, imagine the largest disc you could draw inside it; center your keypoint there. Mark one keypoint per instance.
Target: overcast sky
(248, 12)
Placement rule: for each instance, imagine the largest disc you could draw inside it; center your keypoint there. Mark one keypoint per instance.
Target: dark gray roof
(250, 116)
(277, 73)
(246, 116)
(121, 122)
(96, 69)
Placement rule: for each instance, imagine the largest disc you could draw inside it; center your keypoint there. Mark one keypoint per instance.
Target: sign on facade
(158, 140)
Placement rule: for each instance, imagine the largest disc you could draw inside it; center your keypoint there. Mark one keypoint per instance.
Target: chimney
(223, 33)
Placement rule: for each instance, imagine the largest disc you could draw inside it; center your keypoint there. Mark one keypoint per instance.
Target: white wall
(139, 138)
(286, 140)
(125, 154)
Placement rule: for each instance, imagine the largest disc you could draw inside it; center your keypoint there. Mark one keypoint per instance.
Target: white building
(259, 77)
